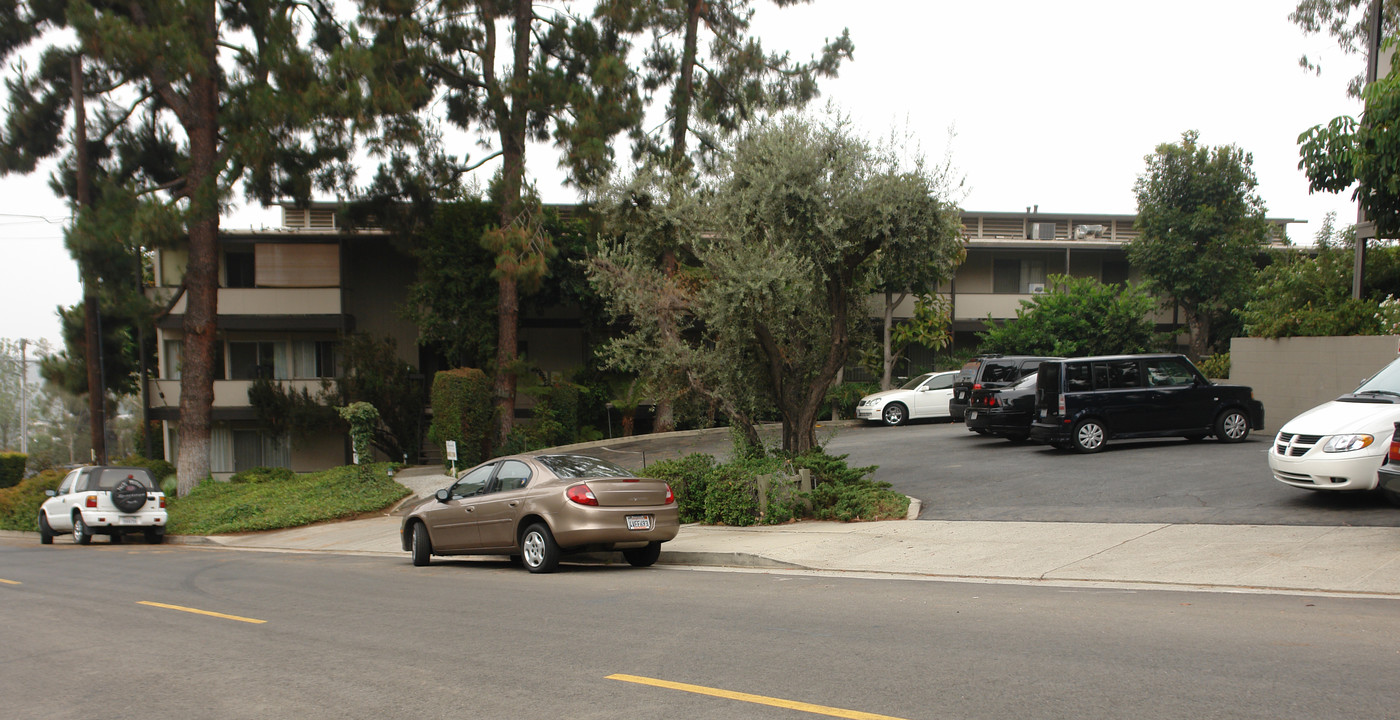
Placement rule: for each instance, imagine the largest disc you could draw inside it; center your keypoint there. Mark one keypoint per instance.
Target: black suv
(1081, 403)
(990, 372)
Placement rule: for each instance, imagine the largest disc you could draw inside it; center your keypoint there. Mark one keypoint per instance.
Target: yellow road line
(201, 612)
(10, 582)
(757, 699)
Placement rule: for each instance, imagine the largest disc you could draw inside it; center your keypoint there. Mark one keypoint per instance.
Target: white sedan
(926, 396)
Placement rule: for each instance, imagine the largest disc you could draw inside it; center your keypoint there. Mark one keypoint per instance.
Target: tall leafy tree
(712, 73)
(713, 76)
(1348, 22)
(781, 241)
(1307, 292)
(1200, 223)
(513, 72)
(1077, 317)
(202, 94)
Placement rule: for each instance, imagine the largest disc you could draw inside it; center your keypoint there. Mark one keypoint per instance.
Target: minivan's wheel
(538, 549)
(422, 545)
(1232, 426)
(82, 534)
(643, 556)
(1088, 436)
(45, 531)
(155, 536)
(1391, 496)
(895, 414)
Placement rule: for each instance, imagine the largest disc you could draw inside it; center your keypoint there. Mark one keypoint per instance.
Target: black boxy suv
(989, 372)
(1083, 402)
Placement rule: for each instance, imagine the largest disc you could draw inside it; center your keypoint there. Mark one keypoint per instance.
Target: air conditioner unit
(1083, 231)
(1042, 231)
(1037, 288)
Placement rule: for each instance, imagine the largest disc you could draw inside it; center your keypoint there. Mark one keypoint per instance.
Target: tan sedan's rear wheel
(643, 556)
(538, 549)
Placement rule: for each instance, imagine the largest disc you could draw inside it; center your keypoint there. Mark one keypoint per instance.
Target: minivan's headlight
(1348, 443)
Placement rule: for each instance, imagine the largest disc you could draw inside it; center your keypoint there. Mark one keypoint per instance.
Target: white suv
(104, 500)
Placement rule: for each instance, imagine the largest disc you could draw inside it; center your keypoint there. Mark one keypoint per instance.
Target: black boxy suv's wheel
(1088, 436)
(1232, 426)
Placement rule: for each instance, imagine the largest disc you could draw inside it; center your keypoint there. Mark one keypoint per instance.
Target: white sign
(452, 450)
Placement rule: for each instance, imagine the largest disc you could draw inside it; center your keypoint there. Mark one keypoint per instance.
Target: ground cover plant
(270, 501)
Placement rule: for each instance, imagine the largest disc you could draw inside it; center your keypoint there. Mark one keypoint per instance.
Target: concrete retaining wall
(1290, 375)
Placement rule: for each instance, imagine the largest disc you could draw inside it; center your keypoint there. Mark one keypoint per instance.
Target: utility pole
(23, 396)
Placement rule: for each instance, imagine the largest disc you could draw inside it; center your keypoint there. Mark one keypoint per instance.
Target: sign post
(452, 455)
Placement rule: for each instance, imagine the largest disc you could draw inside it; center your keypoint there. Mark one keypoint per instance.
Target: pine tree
(193, 97)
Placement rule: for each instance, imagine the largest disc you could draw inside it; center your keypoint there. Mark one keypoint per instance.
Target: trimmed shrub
(731, 495)
(688, 477)
(12, 468)
(19, 505)
(1216, 366)
(160, 469)
(462, 412)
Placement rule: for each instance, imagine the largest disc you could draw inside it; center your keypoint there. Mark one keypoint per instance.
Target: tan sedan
(539, 507)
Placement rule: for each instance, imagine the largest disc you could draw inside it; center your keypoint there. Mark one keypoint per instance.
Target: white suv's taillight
(91, 501)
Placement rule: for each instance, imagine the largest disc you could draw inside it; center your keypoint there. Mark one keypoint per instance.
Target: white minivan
(1339, 445)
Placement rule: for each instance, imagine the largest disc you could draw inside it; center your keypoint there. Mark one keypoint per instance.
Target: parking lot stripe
(756, 699)
(201, 612)
(10, 582)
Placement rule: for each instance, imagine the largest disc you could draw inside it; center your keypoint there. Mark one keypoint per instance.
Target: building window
(240, 268)
(173, 359)
(282, 359)
(250, 360)
(1018, 276)
(1115, 272)
(174, 362)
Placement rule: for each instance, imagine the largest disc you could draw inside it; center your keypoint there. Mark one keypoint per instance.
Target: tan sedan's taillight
(582, 495)
(671, 494)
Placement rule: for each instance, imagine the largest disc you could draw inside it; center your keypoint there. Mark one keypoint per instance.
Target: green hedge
(727, 494)
(462, 412)
(19, 505)
(12, 468)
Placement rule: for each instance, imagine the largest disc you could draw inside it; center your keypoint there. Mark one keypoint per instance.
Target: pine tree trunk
(202, 272)
(92, 308)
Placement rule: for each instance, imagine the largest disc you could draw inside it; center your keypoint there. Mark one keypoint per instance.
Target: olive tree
(776, 247)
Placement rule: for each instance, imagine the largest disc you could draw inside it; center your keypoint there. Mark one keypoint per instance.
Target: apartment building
(289, 295)
(1010, 256)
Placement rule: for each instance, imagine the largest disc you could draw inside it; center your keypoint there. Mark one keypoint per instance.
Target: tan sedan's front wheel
(422, 545)
(538, 549)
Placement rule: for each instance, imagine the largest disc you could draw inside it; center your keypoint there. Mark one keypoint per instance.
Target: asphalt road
(126, 632)
(959, 475)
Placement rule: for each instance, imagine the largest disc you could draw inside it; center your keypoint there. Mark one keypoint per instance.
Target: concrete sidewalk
(1358, 561)
(1345, 560)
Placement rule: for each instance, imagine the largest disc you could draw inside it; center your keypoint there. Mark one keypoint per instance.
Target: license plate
(638, 522)
(130, 520)
(971, 414)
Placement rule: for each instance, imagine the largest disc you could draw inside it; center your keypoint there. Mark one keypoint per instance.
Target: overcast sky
(1052, 104)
